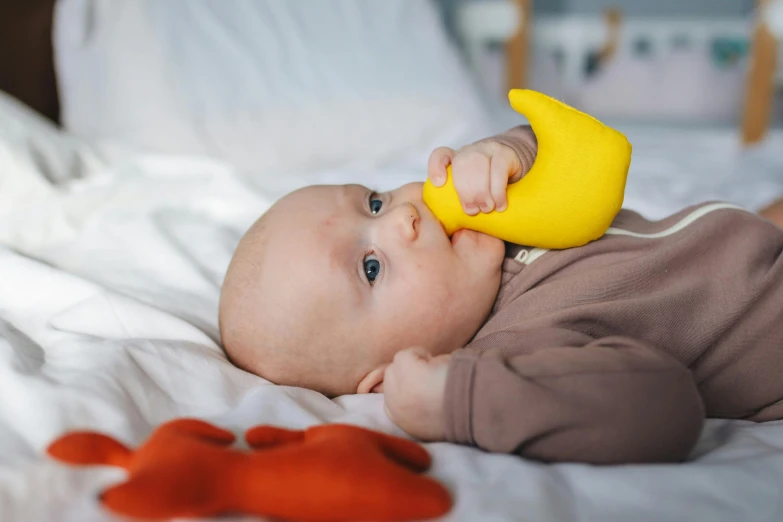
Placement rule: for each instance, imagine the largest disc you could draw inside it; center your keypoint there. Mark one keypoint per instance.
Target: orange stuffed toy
(187, 468)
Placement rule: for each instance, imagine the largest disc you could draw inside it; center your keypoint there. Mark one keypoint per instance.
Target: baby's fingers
(470, 173)
(498, 181)
(410, 357)
(504, 168)
(436, 166)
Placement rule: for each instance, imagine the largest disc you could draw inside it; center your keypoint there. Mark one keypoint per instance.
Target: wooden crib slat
(760, 85)
(517, 48)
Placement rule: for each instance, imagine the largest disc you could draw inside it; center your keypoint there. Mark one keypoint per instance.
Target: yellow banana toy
(571, 194)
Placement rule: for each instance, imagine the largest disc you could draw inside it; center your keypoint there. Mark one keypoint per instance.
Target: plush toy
(571, 194)
(187, 468)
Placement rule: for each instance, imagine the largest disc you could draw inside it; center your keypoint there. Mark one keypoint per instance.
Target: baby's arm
(557, 395)
(607, 401)
(482, 171)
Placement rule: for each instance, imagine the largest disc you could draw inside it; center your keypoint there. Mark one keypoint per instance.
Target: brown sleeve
(521, 140)
(559, 395)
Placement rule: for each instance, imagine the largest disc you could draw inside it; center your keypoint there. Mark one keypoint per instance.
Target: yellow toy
(571, 194)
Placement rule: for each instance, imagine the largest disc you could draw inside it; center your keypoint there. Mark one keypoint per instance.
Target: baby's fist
(480, 173)
(414, 389)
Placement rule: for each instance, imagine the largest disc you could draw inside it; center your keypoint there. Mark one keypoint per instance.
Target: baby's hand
(414, 387)
(480, 173)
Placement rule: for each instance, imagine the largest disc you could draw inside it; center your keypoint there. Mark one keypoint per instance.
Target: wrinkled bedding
(109, 280)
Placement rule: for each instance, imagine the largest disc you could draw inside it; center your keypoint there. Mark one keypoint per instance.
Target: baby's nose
(407, 220)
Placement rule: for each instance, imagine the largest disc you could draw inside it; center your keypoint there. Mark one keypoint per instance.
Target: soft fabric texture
(268, 85)
(572, 191)
(187, 468)
(55, 155)
(613, 352)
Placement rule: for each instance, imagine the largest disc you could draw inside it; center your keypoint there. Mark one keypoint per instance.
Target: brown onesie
(614, 352)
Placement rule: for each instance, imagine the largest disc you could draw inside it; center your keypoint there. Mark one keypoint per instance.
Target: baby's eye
(375, 204)
(372, 268)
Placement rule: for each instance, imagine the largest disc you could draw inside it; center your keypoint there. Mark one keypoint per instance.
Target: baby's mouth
(431, 215)
(452, 238)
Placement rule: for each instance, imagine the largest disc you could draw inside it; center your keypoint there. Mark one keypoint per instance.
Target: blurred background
(673, 61)
(682, 62)
(282, 90)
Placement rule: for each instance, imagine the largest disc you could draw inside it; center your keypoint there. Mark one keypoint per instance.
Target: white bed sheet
(109, 282)
(675, 167)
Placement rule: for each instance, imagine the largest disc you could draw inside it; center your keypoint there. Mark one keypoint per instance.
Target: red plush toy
(187, 468)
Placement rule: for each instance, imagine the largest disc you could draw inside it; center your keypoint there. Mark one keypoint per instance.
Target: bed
(111, 259)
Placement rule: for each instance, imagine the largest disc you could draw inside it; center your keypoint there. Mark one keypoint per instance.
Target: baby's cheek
(435, 287)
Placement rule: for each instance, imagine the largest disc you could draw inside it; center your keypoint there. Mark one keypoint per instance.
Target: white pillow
(269, 85)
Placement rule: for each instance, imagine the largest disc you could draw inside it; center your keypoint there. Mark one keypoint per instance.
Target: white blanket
(109, 279)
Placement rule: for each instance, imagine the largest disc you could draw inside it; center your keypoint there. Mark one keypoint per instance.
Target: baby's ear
(373, 381)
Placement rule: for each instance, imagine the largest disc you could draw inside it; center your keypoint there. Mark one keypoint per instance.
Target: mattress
(109, 281)
(673, 167)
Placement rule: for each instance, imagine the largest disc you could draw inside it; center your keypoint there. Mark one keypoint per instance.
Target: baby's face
(367, 275)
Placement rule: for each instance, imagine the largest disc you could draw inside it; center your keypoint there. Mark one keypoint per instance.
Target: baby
(613, 352)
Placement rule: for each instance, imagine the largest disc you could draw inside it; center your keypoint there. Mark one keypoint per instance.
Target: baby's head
(332, 281)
